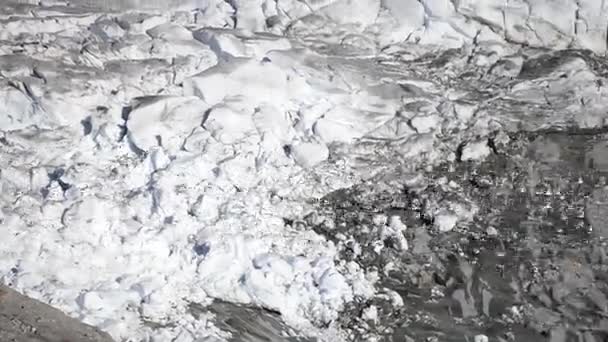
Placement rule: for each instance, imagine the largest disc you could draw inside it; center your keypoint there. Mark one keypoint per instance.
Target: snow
(425, 123)
(396, 230)
(148, 160)
(308, 154)
(445, 221)
(370, 313)
(477, 150)
(480, 338)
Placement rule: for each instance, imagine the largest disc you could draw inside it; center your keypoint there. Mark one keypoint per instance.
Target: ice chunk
(445, 220)
(370, 313)
(170, 31)
(273, 126)
(164, 121)
(481, 338)
(309, 154)
(425, 123)
(107, 29)
(477, 150)
(229, 123)
(362, 12)
(235, 43)
(345, 123)
(139, 4)
(253, 79)
(19, 109)
(438, 8)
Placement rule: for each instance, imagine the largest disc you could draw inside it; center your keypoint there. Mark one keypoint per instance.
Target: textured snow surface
(150, 160)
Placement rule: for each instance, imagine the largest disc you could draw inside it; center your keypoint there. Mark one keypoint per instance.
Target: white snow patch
(445, 220)
(308, 154)
(477, 150)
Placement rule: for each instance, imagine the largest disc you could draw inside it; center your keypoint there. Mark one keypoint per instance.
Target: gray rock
(251, 324)
(23, 319)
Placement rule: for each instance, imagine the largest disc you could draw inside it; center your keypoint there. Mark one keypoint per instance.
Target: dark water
(538, 274)
(529, 267)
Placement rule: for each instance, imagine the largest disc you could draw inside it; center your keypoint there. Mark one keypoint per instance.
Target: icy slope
(153, 160)
(543, 23)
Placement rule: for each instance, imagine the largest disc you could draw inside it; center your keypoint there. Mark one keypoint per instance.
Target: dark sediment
(250, 324)
(23, 319)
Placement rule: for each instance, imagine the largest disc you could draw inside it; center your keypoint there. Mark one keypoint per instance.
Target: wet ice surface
(284, 167)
